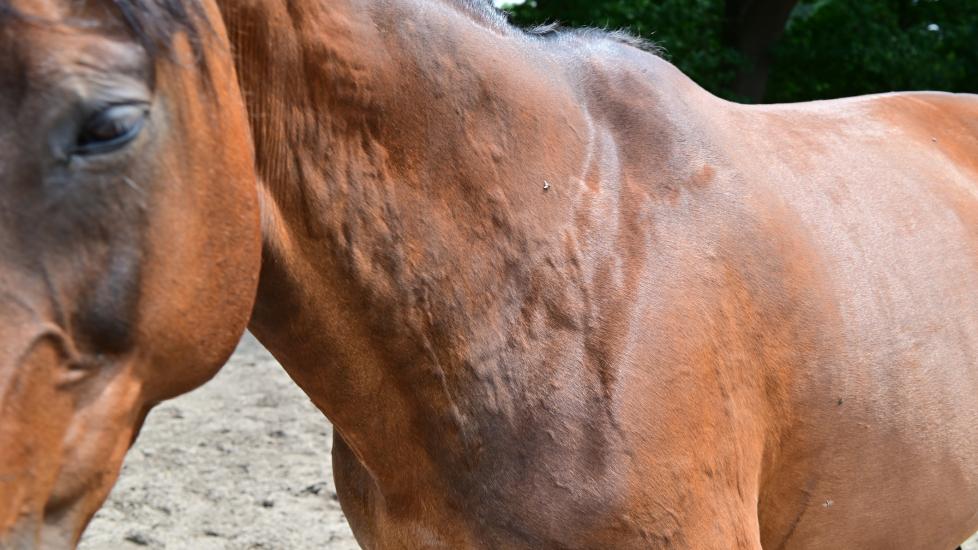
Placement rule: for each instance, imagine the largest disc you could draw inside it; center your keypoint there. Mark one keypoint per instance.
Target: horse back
(812, 277)
(877, 199)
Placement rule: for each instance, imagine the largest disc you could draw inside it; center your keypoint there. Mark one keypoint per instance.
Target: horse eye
(110, 130)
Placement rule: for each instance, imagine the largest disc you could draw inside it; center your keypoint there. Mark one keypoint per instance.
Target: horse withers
(550, 292)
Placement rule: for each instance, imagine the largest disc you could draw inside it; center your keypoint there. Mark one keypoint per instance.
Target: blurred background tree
(794, 50)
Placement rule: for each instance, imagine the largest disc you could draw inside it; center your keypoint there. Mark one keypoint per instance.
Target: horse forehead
(44, 69)
(63, 30)
(13, 91)
(13, 75)
(62, 10)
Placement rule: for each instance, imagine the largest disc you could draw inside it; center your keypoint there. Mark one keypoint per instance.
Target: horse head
(129, 239)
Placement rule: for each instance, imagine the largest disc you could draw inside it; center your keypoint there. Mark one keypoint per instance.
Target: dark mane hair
(489, 13)
(152, 22)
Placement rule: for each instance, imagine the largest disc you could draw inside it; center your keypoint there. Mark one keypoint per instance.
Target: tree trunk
(752, 27)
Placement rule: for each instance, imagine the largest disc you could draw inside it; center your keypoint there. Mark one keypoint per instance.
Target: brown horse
(550, 292)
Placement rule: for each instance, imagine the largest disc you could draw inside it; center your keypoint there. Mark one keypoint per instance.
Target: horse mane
(154, 23)
(620, 36)
(486, 12)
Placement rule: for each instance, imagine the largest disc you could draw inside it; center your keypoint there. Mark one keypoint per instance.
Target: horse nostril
(73, 366)
(79, 369)
(61, 516)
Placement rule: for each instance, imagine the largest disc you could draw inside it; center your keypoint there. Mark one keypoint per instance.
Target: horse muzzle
(35, 413)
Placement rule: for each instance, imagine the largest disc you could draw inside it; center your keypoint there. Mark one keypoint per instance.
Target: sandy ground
(242, 463)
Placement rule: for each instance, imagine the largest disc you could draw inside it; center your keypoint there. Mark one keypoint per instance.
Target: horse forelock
(154, 22)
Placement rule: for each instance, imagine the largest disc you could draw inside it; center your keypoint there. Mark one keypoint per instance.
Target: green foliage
(836, 48)
(830, 48)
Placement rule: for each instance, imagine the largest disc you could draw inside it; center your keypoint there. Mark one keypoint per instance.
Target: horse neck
(420, 170)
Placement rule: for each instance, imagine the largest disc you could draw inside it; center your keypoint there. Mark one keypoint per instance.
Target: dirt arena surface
(242, 463)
